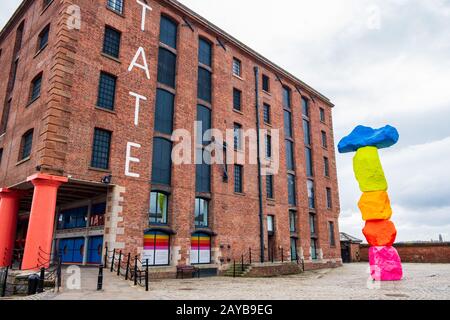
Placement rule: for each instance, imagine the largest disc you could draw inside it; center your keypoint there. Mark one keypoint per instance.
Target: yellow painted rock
(368, 170)
(375, 206)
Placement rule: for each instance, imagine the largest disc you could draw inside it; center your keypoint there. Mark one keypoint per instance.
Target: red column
(42, 218)
(9, 209)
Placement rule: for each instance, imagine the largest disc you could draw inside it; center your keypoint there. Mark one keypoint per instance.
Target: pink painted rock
(385, 264)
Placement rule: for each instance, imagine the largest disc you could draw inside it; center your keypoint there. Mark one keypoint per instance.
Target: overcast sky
(380, 62)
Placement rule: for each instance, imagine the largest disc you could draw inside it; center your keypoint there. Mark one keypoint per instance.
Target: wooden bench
(181, 270)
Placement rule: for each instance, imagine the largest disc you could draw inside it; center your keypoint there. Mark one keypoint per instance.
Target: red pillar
(42, 219)
(9, 209)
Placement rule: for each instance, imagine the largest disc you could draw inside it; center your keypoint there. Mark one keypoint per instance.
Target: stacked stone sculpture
(375, 206)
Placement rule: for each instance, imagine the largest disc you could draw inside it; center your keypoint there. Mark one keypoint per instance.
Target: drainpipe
(261, 213)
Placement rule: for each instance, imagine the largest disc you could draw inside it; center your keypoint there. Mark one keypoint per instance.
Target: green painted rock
(368, 170)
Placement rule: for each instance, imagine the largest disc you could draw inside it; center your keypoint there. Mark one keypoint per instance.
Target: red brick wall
(418, 252)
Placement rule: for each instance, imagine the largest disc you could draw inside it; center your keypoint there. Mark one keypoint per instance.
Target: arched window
(168, 32)
(156, 248)
(201, 213)
(158, 208)
(200, 248)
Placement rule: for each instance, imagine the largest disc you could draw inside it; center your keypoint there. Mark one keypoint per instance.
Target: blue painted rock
(367, 137)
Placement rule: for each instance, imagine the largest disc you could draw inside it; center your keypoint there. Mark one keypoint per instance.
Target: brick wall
(418, 252)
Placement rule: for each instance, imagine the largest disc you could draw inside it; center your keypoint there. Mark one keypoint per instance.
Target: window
(111, 42)
(266, 113)
(204, 116)
(156, 249)
(203, 174)
(72, 218)
(326, 167)
(5, 117)
(116, 5)
(270, 224)
(1, 155)
(237, 67)
(106, 91)
(101, 149)
(268, 146)
(287, 124)
(237, 136)
(324, 140)
(162, 161)
(292, 221)
(266, 83)
(290, 155)
(46, 3)
(311, 196)
(314, 255)
(237, 99)
(294, 255)
(238, 179)
(204, 84)
(36, 88)
(269, 186)
(164, 111)
(322, 115)
(205, 52)
(166, 67)
(291, 190)
(201, 213)
(307, 132)
(26, 144)
(19, 37)
(14, 75)
(329, 199)
(331, 234)
(158, 208)
(200, 249)
(309, 163)
(286, 98)
(97, 217)
(312, 224)
(43, 38)
(305, 107)
(168, 32)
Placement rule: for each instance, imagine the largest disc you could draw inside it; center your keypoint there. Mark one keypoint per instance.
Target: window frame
(121, 12)
(102, 90)
(331, 234)
(153, 216)
(108, 158)
(237, 101)
(267, 117)
(266, 83)
(270, 194)
(237, 67)
(32, 96)
(26, 146)
(238, 188)
(205, 201)
(44, 31)
(116, 32)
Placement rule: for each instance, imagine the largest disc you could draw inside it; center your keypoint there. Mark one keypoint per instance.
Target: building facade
(92, 92)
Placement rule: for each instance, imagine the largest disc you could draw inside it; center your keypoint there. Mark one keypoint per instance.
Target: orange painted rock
(375, 206)
(380, 233)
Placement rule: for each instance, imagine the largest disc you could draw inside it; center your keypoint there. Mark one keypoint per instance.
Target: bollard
(112, 260)
(250, 254)
(105, 264)
(100, 278)
(128, 266)
(135, 270)
(119, 263)
(234, 268)
(242, 263)
(40, 288)
(146, 276)
(282, 255)
(59, 274)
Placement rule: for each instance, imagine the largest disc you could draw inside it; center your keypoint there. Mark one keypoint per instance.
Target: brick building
(82, 168)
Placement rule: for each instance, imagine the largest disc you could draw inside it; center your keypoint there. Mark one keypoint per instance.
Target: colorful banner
(156, 248)
(200, 249)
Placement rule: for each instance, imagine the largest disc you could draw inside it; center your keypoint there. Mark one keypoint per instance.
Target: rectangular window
(106, 91)
(329, 199)
(204, 85)
(166, 67)
(271, 224)
(5, 117)
(311, 196)
(269, 186)
(101, 149)
(116, 5)
(305, 107)
(27, 143)
(201, 213)
(168, 32)
(326, 167)
(291, 190)
(238, 172)
(72, 218)
(312, 224)
(43, 38)
(164, 111)
(265, 83)
(158, 208)
(237, 67)
(203, 177)
(162, 161)
(290, 155)
(204, 117)
(307, 132)
(266, 112)
(292, 221)
(237, 99)
(331, 234)
(287, 124)
(268, 146)
(322, 115)
(204, 52)
(111, 42)
(14, 76)
(286, 98)
(294, 254)
(314, 255)
(237, 136)
(97, 217)
(324, 140)
(1, 155)
(309, 162)
(36, 88)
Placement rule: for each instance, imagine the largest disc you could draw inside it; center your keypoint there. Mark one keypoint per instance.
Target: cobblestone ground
(422, 281)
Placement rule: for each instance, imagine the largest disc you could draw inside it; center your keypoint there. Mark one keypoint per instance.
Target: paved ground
(422, 281)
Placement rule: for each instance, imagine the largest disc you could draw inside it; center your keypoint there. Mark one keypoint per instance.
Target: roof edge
(16, 13)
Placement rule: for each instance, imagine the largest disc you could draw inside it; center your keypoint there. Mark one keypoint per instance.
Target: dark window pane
(158, 208)
(294, 255)
(291, 190)
(237, 98)
(201, 213)
(204, 84)
(204, 52)
(309, 163)
(73, 218)
(204, 116)
(307, 132)
(237, 67)
(36, 88)
(326, 166)
(116, 5)
(106, 91)
(268, 146)
(162, 161)
(164, 111)
(111, 42)
(322, 115)
(305, 107)
(43, 38)
(203, 173)
(331, 234)
(266, 113)
(293, 221)
(312, 224)
(324, 139)
(311, 195)
(168, 32)
(266, 83)
(286, 98)
(238, 179)
(101, 149)
(287, 124)
(290, 155)
(5, 116)
(269, 186)
(27, 143)
(329, 199)
(166, 67)
(314, 255)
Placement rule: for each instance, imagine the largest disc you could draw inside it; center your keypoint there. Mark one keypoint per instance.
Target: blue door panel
(95, 250)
